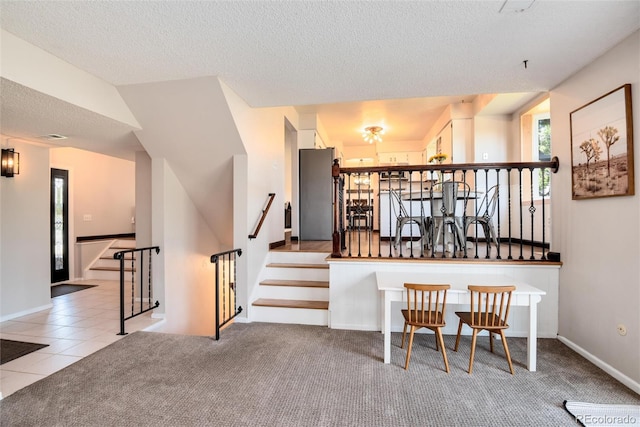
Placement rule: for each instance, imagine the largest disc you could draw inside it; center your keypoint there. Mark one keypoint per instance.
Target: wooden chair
(425, 309)
(489, 311)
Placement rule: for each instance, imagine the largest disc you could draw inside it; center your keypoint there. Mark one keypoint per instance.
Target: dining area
(442, 218)
(469, 211)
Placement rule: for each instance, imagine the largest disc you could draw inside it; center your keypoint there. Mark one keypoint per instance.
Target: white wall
(183, 275)
(262, 133)
(25, 278)
(143, 200)
(491, 137)
(103, 188)
(599, 239)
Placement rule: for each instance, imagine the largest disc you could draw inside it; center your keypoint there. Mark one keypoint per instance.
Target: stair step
(298, 265)
(290, 303)
(112, 268)
(298, 283)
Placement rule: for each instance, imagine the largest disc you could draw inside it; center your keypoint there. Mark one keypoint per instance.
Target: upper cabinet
(401, 158)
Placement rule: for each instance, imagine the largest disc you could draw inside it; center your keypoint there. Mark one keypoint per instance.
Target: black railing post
(231, 284)
(122, 332)
(121, 256)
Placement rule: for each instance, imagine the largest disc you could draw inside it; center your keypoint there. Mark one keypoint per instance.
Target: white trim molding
(629, 382)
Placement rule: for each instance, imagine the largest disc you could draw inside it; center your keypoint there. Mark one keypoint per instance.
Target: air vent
(53, 136)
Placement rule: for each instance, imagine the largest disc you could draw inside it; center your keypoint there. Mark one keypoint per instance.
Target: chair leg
(404, 332)
(444, 350)
(491, 341)
(473, 349)
(458, 336)
(506, 350)
(406, 363)
(398, 237)
(493, 235)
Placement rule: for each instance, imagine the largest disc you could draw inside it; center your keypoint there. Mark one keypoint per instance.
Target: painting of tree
(591, 150)
(603, 124)
(609, 136)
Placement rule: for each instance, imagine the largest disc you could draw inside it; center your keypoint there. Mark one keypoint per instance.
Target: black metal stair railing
(518, 223)
(226, 286)
(140, 293)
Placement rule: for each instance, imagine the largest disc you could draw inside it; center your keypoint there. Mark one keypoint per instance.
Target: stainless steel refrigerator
(316, 194)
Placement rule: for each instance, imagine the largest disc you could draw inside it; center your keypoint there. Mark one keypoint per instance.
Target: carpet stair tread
(287, 303)
(298, 283)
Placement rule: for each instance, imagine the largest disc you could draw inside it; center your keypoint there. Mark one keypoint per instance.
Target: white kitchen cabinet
(400, 158)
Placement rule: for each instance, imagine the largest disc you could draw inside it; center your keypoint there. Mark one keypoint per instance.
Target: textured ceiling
(307, 53)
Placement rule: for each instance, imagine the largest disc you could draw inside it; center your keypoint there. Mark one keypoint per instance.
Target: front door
(59, 225)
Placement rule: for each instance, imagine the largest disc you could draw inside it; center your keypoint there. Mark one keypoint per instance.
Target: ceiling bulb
(372, 134)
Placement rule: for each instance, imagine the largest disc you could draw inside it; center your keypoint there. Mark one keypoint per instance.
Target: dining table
(425, 198)
(391, 287)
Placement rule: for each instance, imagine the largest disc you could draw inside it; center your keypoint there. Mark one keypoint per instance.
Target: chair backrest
(490, 305)
(402, 210)
(426, 303)
(489, 202)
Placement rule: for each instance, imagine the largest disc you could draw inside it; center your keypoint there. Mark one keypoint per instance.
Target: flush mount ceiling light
(372, 134)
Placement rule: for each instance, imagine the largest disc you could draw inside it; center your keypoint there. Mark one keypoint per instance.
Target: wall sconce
(10, 162)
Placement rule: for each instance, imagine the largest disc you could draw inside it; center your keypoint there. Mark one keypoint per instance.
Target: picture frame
(602, 147)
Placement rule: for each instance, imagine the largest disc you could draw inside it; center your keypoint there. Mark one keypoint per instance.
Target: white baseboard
(25, 312)
(156, 326)
(629, 382)
(155, 315)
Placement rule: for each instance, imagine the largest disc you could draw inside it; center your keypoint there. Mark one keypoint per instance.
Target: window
(541, 144)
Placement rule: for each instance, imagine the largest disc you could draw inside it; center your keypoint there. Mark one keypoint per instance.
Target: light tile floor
(77, 325)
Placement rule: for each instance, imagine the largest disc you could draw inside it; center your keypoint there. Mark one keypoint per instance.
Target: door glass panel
(59, 225)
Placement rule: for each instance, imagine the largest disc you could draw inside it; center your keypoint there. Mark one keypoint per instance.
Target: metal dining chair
(449, 212)
(483, 217)
(403, 218)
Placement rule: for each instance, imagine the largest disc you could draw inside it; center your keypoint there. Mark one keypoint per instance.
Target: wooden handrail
(552, 164)
(264, 215)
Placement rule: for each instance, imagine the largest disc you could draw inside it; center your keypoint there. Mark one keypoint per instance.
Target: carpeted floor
(11, 350)
(263, 374)
(67, 288)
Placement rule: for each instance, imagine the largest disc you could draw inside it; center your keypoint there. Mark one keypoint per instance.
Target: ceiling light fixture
(372, 134)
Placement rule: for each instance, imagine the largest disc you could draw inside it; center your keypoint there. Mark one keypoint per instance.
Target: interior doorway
(59, 225)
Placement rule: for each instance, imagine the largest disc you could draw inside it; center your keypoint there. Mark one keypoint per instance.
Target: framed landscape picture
(602, 146)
